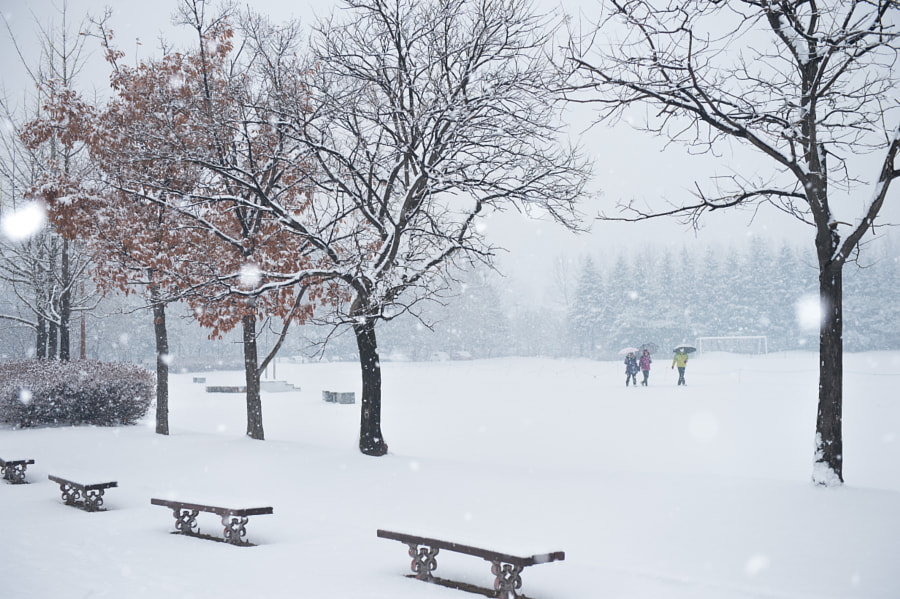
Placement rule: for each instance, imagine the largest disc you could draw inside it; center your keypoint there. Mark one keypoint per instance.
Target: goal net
(738, 344)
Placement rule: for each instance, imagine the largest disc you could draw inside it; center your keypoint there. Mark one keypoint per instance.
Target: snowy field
(664, 492)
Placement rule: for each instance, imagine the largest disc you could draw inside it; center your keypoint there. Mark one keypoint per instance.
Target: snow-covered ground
(664, 492)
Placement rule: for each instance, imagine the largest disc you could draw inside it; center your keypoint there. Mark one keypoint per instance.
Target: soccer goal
(738, 344)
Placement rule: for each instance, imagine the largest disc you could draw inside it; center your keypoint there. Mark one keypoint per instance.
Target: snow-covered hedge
(48, 393)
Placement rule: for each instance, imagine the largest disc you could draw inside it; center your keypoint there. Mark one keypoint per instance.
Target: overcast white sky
(627, 163)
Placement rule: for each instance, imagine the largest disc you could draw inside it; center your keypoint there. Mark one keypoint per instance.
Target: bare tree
(48, 271)
(805, 85)
(422, 117)
(44, 288)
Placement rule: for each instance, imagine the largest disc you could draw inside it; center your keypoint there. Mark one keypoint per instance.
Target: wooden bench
(506, 568)
(233, 520)
(14, 470)
(87, 497)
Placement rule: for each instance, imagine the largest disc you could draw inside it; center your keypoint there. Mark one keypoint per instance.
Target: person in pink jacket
(645, 366)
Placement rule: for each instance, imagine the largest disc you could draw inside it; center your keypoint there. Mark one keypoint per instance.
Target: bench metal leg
(14, 473)
(71, 495)
(93, 500)
(185, 521)
(235, 530)
(424, 560)
(508, 579)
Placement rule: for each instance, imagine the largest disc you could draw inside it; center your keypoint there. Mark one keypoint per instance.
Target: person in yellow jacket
(680, 360)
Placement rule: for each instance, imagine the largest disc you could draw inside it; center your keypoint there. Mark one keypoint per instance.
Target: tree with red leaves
(185, 152)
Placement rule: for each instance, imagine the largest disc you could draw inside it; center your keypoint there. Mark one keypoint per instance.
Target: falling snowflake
(250, 276)
(25, 396)
(809, 312)
(24, 223)
(756, 564)
(176, 81)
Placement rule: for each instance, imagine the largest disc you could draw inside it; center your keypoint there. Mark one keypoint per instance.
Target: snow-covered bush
(48, 393)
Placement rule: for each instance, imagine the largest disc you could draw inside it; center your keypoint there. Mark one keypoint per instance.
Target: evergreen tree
(871, 317)
(587, 313)
(478, 325)
(623, 313)
(687, 303)
(712, 294)
(665, 321)
(738, 288)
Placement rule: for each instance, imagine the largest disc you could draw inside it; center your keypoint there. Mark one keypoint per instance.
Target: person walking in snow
(631, 369)
(645, 366)
(680, 360)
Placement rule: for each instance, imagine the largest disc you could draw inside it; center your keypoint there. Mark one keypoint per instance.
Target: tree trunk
(52, 340)
(40, 342)
(65, 306)
(83, 339)
(51, 306)
(371, 442)
(65, 343)
(251, 372)
(162, 367)
(828, 468)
